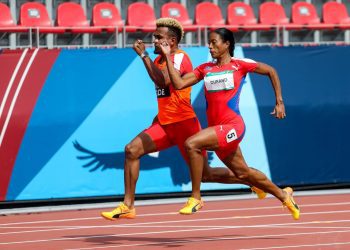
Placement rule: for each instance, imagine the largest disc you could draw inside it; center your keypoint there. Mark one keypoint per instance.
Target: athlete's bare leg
(142, 144)
(194, 145)
(219, 175)
(258, 179)
(207, 139)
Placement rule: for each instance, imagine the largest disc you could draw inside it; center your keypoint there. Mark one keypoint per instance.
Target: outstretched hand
(139, 47)
(279, 111)
(164, 46)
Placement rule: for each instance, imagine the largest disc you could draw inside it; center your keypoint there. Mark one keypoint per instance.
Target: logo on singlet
(162, 92)
(235, 67)
(231, 135)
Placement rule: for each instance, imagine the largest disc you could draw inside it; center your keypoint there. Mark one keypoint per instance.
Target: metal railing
(119, 36)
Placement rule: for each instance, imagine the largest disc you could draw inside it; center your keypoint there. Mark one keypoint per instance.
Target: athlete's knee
(241, 173)
(206, 176)
(132, 151)
(191, 146)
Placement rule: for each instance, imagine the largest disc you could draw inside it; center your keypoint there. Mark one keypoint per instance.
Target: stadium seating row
(141, 17)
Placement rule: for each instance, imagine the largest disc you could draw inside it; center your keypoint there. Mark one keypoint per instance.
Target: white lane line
(221, 218)
(9, 86)
(13, 102)
(175, 213)
(53, 221)
(118, 245)
(182, 226)
(241, 197)
(299, 246)
(106, 235)
(194, 220)
(308, 227)
(146, 224)
(35, 227)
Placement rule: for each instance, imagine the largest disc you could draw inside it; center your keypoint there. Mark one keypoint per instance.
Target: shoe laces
(190, 201)
(289, 202)
(193, 200)
(121, 207)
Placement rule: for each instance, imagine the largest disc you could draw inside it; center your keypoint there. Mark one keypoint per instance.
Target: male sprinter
(175, 122)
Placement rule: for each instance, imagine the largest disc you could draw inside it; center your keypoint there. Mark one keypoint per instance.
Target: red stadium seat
(178, 12)
(140, 17)
(6, 21)
(273, 14)
(336, 14)
(71, 18)
(209, 15)
(107, 15)
(34, 14)
(304, 14)
(6, 17)
(242, 15)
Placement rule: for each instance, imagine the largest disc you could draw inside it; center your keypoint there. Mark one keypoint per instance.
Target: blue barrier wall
(93, 102)
(311, 146)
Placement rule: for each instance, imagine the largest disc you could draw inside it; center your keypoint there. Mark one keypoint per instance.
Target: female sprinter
(223, 80)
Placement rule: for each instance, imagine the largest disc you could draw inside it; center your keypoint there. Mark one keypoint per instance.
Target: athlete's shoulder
(181, 55)
(244, 64)
(207, 65)
(182, 61)
(180, 51)
(244, 60)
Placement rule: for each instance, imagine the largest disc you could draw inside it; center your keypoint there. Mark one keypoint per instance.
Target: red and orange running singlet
(175, 105)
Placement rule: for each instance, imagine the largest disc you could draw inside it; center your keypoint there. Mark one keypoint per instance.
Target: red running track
(229, 224)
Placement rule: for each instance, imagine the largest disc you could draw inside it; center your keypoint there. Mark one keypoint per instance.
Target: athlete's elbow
(178, 87)
(272, 71)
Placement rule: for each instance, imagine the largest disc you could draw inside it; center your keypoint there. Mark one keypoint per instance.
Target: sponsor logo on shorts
(162, 92)
(231, 135)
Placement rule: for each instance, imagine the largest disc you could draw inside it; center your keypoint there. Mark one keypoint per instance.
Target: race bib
(162, 92)
(231, 135)
(218, 81)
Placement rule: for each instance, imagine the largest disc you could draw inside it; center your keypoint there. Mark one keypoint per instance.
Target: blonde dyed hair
(172, 24)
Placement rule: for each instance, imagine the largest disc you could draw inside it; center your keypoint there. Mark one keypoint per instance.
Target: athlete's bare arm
(264, 69)
(178, 82)
(155, 73)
